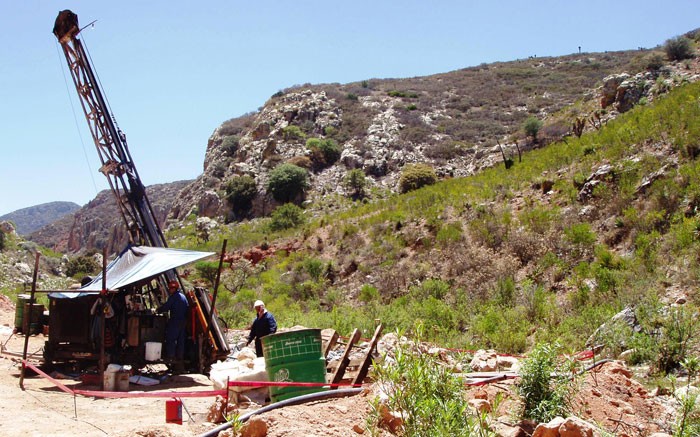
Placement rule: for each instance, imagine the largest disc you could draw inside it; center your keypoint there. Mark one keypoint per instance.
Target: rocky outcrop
(449, 121)
(99, 224)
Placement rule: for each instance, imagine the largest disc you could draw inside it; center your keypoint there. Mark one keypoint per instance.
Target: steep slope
(452, 121)
(549, 248)
(28, 220)
(99, 225)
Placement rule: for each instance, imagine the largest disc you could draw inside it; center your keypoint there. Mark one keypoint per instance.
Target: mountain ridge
(33, 218)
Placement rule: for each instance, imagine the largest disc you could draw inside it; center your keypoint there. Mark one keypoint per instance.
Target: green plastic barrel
(22, 299)
(294, 356)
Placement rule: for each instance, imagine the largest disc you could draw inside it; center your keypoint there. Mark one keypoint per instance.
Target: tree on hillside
(415, 176)
(240, 192)
(355, 181)
(679, 48)
(532, 127)
(287, 182)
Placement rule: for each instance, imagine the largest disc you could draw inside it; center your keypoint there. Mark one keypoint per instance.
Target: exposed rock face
(99, 224)
(450, 121)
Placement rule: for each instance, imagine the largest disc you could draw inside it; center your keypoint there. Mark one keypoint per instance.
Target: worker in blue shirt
(177, 305)
(264, 324)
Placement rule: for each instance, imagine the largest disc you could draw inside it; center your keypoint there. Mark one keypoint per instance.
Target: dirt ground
(44, 410)
(609, 397)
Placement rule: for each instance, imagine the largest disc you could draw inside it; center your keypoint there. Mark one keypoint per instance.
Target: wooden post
(101, 307)
(216, 284)
(364, 367)
(29, 320)
(345, 360)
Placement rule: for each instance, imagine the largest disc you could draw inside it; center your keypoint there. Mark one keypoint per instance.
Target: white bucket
(153, 350)
(122, 383)
(108, 381)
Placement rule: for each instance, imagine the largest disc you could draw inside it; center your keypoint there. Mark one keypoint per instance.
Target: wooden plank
(330, 344)
(364, 368)
(340, 370)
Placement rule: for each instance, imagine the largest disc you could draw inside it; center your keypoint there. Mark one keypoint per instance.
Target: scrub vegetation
(496, 261)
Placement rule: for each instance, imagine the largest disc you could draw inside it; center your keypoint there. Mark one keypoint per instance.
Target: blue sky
(173, 71)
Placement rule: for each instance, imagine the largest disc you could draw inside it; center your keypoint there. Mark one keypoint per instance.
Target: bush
(678, 48)
(230, 145)
(355, 181)
(415, 176)
(82, 265)
(654, 62)
(426, 394)
(2, 241)
(240, 192)
(287, 182)
(286, 216)
(292, 132)
(532, 126)
(679, 336)
(207, 270)
(323, 152)
(368, 293)
(545, 390)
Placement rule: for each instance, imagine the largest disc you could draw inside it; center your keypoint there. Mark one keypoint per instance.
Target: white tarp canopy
(135, 264)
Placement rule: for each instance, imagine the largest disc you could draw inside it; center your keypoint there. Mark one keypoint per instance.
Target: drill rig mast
(124, 181)
(110, 141)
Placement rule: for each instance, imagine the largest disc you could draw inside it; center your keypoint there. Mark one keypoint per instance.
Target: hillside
(99, 225)
(452, 121)
(587, 239)
(547, 249)
(28, 220)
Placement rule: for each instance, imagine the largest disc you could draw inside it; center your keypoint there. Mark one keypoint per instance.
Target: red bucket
(173, 411)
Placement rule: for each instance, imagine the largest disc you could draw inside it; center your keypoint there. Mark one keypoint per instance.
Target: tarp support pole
(216, 283)
(29, 319)
(103, 293)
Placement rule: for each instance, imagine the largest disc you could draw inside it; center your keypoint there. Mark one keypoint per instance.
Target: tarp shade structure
(134, 264)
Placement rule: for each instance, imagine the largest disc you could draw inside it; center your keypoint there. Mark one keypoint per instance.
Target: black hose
(285, 403)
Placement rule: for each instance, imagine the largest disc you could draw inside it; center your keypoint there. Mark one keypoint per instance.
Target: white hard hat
(258, 303)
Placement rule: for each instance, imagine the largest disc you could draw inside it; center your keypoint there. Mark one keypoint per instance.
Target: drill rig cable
(88, 165)
(99, 84)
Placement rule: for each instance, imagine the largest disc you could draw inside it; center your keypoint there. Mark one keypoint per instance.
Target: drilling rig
(134, 207)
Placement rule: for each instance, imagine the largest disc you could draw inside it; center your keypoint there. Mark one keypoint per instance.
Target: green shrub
(286, 216)
(2, 241)
(679, 336)
(679, 48)
(581, 237)
(355, 181)
(531, 127)
(287, 182)
(545, 386)
(292, 132)
(368, 293)
(324, 152)
(207, 270)
(395, 93)
(449, 233)
(415, 176)
(427, 395)
(314, 268)
(230, 145)
(82, 265)
(240, 192)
